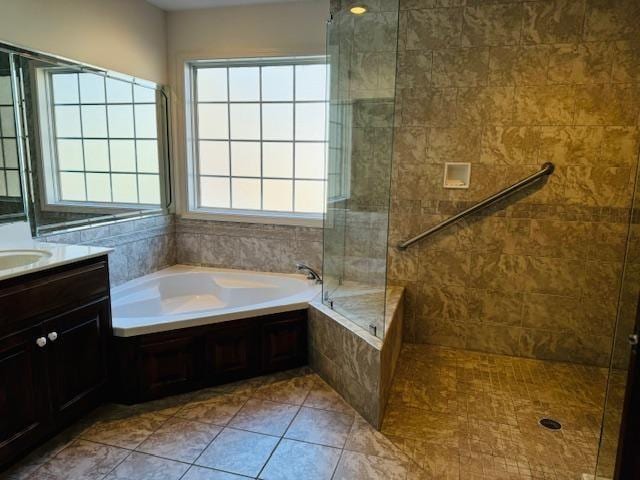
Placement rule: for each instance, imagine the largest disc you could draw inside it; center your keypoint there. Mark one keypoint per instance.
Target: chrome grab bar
(547, 169)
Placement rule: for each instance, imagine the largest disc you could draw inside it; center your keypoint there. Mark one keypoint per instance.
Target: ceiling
(193, 4)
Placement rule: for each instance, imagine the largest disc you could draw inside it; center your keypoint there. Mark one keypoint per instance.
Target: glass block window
(106, 139)
(9, 173)
(260, 134)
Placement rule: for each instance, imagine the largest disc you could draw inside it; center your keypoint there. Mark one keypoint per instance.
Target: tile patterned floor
(452, 415)
(468, 415)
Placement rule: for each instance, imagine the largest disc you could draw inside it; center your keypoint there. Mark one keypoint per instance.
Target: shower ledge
(357, 364)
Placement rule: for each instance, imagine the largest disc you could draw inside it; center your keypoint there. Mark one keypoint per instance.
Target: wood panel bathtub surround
(151, 366)
(54, 331)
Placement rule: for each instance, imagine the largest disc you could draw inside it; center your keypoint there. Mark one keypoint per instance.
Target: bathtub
(184, 296)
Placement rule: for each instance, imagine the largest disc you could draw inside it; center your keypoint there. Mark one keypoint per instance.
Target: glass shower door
(361, 53)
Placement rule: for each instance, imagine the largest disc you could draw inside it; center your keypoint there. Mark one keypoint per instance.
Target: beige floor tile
(364, 438)
(202, 473)
(298, 460)
(217, 409)
(409, 422)
(290, 390)
(140, 466)
(81, 461)
(324, 397)
(358, 466)
(125, 431)
(181, 440)
(264, 416)
(237, 451)
(320, 426)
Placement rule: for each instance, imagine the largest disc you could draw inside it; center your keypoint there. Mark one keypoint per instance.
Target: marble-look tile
(81, 461)
(548, 105)
(237, 451)
(295, 460)
(519, 65)
(365, 439)
(201, 473)
(358, 466)
(147, 467)
(217, 409)
(320, 426)
(323, 397)
(606, 105)
(466, 67)
(433, 28)
(181, 440)
(420, 424)
(293, 391)
(125, 431)
(264, 416)
(492, 25)
(553, 21)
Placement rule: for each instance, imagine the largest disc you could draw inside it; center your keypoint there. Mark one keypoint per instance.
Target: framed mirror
(11, 196)
(95, 142)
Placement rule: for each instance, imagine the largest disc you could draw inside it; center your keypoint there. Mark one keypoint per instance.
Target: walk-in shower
(520, 311)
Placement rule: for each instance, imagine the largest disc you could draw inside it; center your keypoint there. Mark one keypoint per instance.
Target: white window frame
(49, 173)
(193, 210)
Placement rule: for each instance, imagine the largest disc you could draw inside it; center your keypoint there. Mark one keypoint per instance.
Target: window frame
(49, 174)
(193, 208)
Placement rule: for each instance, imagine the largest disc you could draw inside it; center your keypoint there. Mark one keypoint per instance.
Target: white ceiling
(193, 4)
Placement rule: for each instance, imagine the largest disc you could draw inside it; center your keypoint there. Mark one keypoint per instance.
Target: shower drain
(550, 424)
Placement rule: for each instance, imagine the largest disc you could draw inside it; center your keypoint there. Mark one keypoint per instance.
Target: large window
(103, 140)
(259, 129)
(9, 175)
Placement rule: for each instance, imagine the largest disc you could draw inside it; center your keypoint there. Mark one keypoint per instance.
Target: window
(103, 140)
(9, 174)
(259, 130)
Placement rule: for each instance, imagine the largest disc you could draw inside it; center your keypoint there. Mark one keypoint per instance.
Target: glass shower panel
(618, 370)
(362, 53)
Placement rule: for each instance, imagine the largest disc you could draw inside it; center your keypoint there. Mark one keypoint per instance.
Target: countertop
(60, 255)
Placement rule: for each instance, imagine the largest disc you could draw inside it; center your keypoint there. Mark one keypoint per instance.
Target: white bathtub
(183, 296)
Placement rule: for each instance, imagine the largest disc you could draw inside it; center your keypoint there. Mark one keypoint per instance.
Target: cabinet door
(24, 403)
(77, 348)
(169, 364)
(231, 353)
(284, 342)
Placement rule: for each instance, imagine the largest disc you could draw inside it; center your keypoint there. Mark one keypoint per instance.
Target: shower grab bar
(547, 169)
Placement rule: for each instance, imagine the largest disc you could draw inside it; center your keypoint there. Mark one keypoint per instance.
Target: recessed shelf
(457, 175)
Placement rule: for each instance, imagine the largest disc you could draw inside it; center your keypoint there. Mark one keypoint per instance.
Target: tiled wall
(507, 86)
(356, 364)
(141, 246)
(249, 246)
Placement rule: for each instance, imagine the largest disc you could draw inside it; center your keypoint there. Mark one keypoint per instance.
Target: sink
(20, 258)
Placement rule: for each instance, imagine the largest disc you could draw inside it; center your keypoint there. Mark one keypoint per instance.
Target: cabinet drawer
(52, 291)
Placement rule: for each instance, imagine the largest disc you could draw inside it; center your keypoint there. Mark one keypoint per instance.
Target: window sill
(98, 208)
(251, 216)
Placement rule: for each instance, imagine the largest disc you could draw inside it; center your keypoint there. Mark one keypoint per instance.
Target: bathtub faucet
(311, 273)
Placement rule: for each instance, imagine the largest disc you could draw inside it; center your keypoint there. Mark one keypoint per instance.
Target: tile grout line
(284, 433)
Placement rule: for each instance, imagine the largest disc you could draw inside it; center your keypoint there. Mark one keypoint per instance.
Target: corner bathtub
(184, 296)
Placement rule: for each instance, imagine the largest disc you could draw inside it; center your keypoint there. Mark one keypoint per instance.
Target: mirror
(95, 142)
(11, 199)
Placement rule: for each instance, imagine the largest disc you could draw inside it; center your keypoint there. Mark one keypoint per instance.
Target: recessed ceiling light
(358, 9)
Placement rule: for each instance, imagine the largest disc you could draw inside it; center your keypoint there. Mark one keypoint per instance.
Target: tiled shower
(502, 86)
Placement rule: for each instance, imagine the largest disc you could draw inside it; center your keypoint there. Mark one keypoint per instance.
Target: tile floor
(468, 415)
(452, 415)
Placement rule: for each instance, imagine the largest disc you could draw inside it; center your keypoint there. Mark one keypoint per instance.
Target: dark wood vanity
(55, 327)
(159, 364)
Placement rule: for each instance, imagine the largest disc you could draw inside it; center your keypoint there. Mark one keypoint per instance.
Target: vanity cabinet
(54, 333)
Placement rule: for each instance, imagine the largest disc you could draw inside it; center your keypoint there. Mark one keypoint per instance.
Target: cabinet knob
(41, 342)
(53, 336)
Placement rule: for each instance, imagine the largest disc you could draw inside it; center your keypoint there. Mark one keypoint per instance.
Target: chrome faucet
(311, 273)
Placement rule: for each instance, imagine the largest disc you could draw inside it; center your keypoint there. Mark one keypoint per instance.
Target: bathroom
(319, 239)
